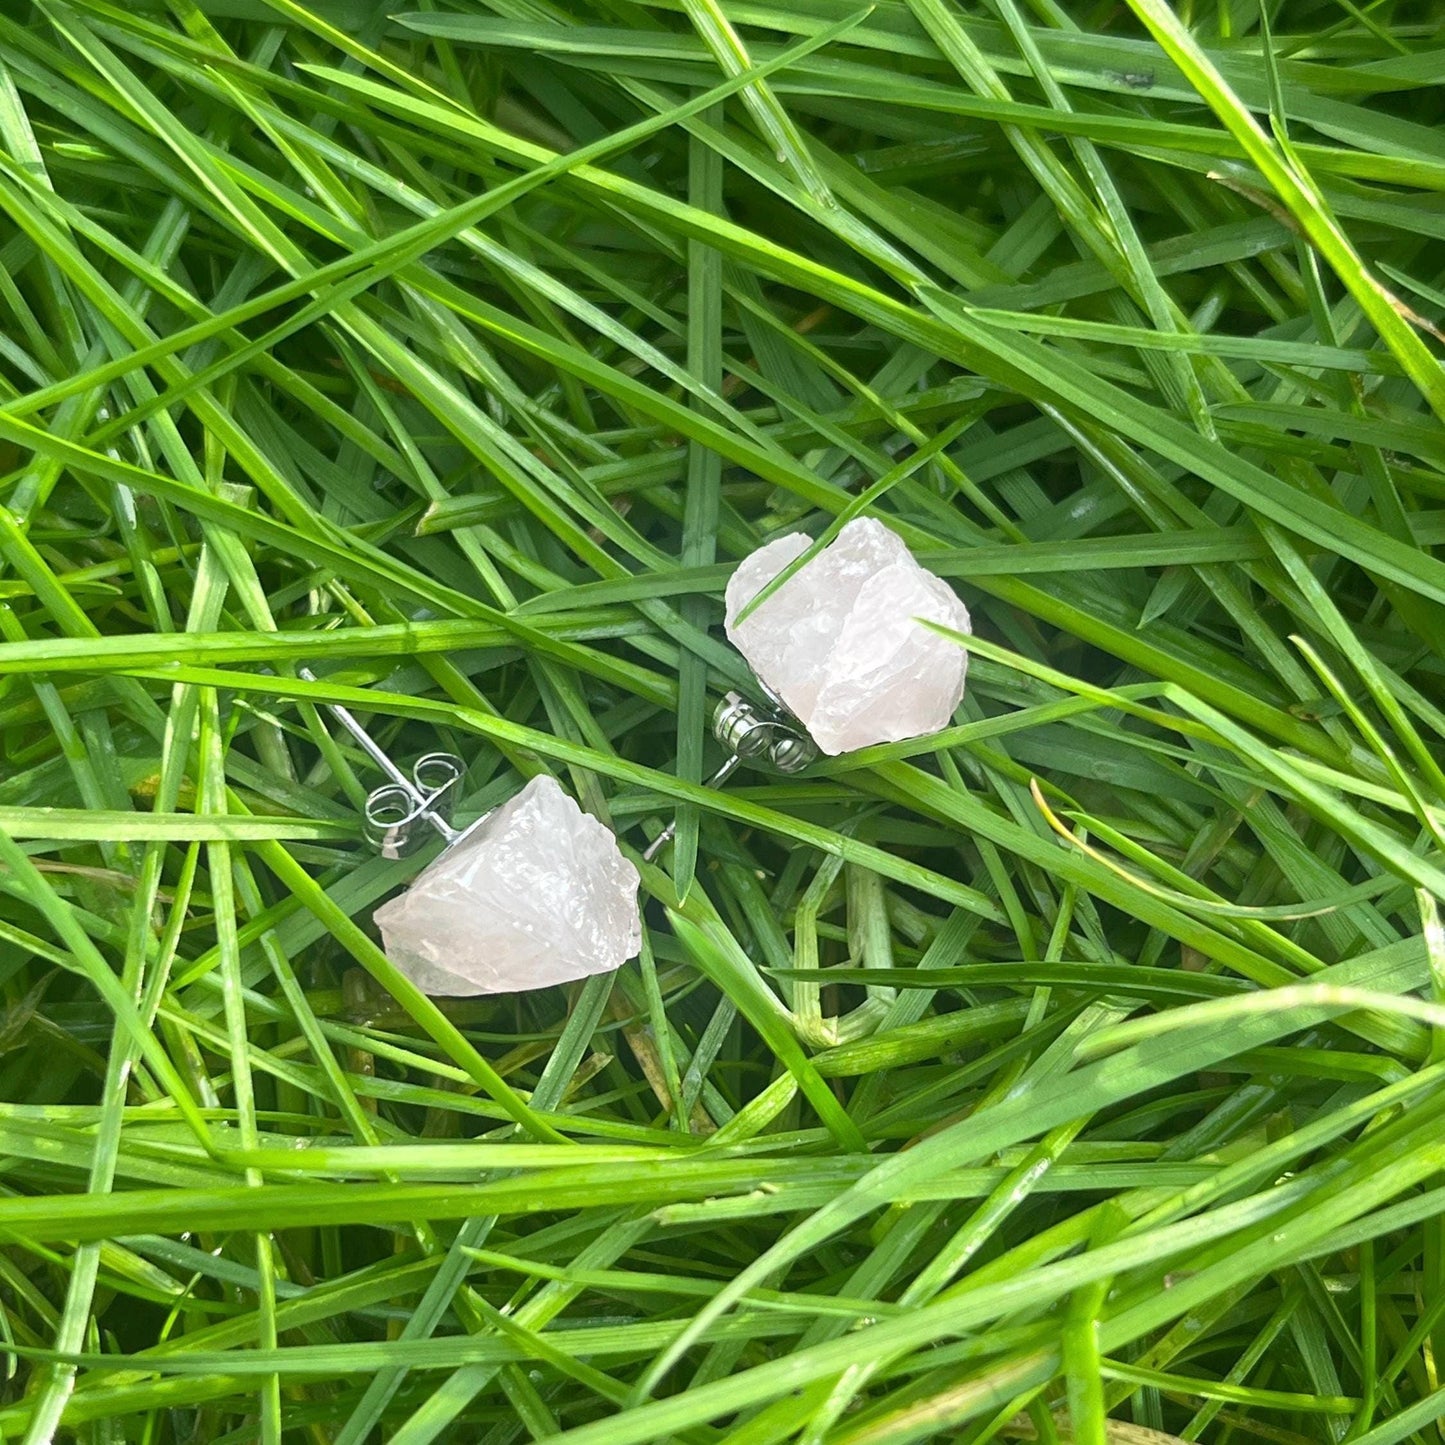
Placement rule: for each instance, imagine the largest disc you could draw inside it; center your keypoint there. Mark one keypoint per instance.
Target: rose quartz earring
(838, 651)
(535, 893)
(840, 643)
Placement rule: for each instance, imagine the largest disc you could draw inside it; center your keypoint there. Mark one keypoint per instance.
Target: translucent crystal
(838, 641)
(533, 894)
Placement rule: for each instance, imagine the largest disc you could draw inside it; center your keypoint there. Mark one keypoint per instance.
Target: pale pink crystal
(535, 893)
(838, 642)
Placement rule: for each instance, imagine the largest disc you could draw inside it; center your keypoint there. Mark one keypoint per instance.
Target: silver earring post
(427, 794)
(765, 734)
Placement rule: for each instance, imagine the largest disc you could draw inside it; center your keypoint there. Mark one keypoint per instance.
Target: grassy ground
(1074, 1075)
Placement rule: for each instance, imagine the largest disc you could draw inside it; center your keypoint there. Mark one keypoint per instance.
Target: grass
(1074, 1075)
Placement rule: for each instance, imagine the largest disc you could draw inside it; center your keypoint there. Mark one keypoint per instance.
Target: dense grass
(1077, 1074)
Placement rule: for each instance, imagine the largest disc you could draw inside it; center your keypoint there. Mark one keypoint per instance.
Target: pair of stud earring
(538, 892)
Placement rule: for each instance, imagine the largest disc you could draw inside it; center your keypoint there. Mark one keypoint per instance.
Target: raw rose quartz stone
(838, 642)
(535, 893)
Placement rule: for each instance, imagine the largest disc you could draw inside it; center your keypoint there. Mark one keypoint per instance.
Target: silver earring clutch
(762, 733)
